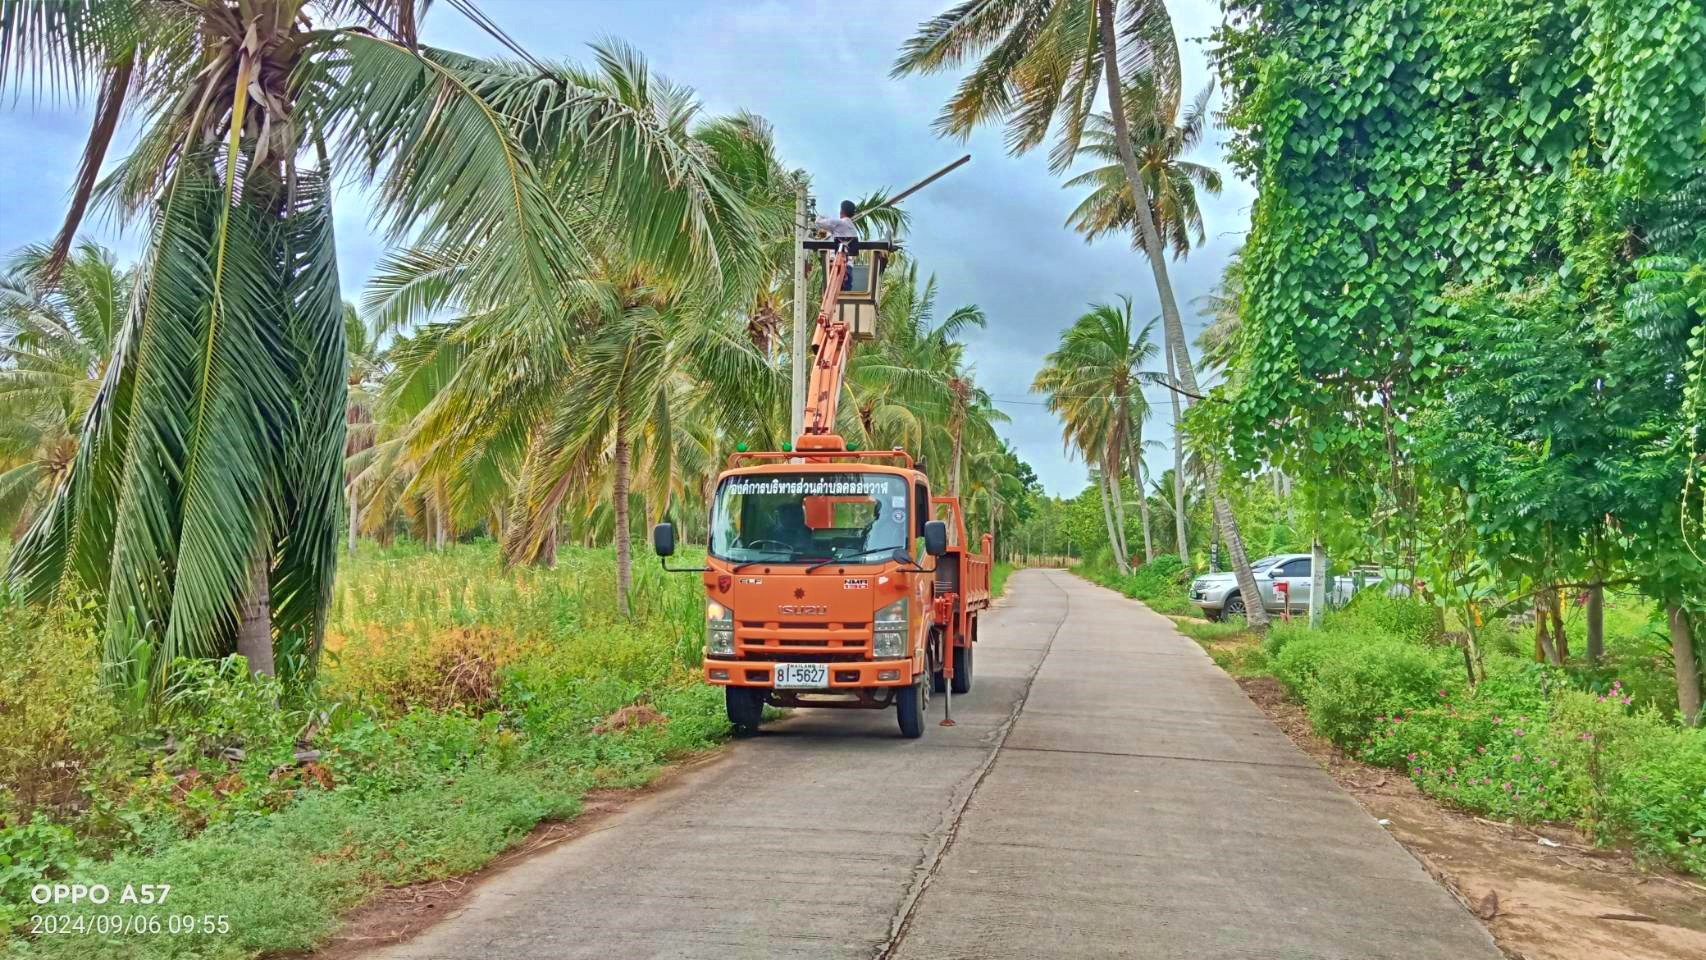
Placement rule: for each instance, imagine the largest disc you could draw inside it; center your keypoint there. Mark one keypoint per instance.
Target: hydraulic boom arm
(828, 364)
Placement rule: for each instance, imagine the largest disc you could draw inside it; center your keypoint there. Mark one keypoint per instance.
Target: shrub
(1282, 633)
(56, 720)
(1356, 684)
(452, 667)
(1373, 612)
(1300, 654)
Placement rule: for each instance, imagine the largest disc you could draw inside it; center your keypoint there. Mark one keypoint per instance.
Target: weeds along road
(1107, 792)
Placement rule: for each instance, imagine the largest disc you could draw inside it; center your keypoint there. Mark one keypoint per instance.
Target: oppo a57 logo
(803, 609)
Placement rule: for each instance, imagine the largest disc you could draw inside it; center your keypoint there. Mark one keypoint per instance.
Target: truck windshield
(796, 518)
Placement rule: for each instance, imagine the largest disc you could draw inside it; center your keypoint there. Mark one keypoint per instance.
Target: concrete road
(1107, 792)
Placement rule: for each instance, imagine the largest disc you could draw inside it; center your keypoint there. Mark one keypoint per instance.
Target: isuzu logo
(804, 609)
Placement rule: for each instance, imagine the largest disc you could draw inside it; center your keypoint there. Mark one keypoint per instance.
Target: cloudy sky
(818, 70)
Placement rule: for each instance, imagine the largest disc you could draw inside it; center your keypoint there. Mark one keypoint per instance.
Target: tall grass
(459, 703)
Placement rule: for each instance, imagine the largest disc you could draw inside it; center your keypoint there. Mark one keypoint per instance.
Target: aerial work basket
(861, 292)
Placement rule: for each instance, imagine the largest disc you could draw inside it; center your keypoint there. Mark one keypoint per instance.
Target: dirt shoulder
(1545, 893)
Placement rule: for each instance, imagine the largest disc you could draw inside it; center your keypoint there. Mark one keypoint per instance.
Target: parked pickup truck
(1217, 594)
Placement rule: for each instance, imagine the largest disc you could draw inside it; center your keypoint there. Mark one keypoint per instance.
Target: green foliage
(1160, 584)
(58, 721)
(1528, 742)
(31, 853)
(1374, 612)
(402, 784)
(1472, 301)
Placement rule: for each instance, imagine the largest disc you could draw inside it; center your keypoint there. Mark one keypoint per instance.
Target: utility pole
(802, 212)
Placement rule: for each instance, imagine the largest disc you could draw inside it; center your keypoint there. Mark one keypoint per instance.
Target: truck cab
(827, 584)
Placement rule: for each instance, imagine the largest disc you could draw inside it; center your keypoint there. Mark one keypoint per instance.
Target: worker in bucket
(843, 228)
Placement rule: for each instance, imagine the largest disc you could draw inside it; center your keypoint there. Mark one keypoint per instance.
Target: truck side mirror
(663, 539)
(935, 538)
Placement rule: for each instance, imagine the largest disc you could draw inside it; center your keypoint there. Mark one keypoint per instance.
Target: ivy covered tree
(1471, 300)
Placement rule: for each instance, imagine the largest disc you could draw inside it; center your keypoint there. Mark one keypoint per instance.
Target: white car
(1217, 594)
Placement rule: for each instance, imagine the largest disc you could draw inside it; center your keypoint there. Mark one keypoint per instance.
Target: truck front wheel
(910, 705)
(746, 708)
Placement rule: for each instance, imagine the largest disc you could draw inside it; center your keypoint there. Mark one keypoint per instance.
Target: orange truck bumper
(761, 673)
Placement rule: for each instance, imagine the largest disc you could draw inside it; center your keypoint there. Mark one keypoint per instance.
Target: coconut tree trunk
(254, 623)
(619, 494)
(1179, 532)
(1116, 489)
(1173, 327)
(1687, 665)
(1135, 455)
(1108, 517)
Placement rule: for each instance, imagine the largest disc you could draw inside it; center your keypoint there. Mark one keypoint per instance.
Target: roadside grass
(1231, 645)
(1597, 748)
(1162, 585)
(998, 575)
(459, 705)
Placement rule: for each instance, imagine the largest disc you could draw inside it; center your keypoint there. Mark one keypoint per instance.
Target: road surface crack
(932, 862)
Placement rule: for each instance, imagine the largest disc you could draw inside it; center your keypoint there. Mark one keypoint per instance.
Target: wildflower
(1497, 720)
(1554, 763)
(1517, 757)
(1519, 731)
(1482, 748)
(1442, 693)
(1412, 756)
(1507, 786)
(1451, 771)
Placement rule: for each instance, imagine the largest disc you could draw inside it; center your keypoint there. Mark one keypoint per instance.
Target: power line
(490, 26)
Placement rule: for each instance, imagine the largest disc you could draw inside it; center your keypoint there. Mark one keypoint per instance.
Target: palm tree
(1172, 182)
(1040, 63)
(204, 500)
(525, 413)
(56, 340)
(1093, 382)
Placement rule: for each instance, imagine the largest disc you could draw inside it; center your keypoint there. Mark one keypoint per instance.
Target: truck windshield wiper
(856, 556)
(783, 559)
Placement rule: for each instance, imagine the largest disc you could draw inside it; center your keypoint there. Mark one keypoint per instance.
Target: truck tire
(962, 666)
(910, 705)
(745, 706)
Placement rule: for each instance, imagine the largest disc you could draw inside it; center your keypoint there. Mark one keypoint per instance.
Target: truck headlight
(719, 629)
(888, 631)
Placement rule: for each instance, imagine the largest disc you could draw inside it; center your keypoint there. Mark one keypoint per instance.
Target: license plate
(801, 676)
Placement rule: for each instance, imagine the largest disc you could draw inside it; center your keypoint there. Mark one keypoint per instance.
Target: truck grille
(774, 641)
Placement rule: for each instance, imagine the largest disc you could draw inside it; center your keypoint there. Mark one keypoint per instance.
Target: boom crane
(816, 591)
(832, 334)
